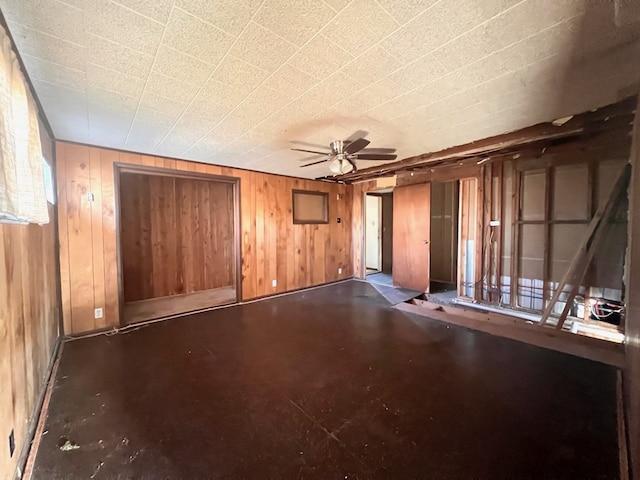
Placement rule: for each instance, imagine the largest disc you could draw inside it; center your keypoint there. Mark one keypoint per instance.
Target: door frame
(119, 168)
(379, 197)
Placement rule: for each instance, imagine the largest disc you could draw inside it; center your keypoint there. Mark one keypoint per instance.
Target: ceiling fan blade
(356, 145)
(311, 157)
(378, 150)
(310, 151)
(375, 156)
(313, 163)
(356, 135)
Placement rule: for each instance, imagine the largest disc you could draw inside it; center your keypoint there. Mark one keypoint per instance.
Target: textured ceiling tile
(372, 65)
(295, 21)
(36, 44)
(170, 87)
(420, 36)
(74, 3)
(222, 94)
(115, 81)
(262, 48)
(52, 17)
(291, 80)
(236, 72)
(104, 100)
(54, 73)
(405, 11)
(320, 57)
(463, 15)
(181, 66)
(334, 89)
(108, 127)
(156, 9)
(191, 35)
(203, 150)
(425, 70)
(263, 102)
(527, 18)
(168, 107)
(205, 106)
(390, 109)
(185, 133)
(467, 48)
(230, 128)
(337, 5)
(66, 126)
(119, 24)
(230, 15)
(147, 131)
(360, 25)
(118, 57)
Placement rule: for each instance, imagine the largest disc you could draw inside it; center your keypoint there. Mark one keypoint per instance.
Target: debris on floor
(67, 445)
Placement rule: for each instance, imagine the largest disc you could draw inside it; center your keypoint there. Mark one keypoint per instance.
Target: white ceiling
(234, 82)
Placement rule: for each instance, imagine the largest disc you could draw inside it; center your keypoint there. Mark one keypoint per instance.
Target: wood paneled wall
(29, 324)
(177, 235)
(272, 247)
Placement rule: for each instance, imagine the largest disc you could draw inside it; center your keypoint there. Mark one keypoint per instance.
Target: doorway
(177, 242)
(444, 240)
(378, 244)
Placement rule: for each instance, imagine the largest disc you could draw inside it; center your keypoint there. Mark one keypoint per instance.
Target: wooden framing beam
(587, 247)
(583, 125)
(596, 349)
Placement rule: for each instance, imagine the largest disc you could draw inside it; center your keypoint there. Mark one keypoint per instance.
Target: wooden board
(411, 230)
(154, 308)
(266, 256)
(517, 329)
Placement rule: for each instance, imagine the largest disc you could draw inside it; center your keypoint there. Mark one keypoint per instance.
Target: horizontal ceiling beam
(582, 125)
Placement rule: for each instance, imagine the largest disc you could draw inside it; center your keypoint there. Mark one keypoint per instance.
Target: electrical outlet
(12, 443)
(494, 223)
(339, 271)
(274, 283)
(98, 313)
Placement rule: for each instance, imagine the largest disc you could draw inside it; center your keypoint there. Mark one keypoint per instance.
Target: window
(310, 207)
(22, 184)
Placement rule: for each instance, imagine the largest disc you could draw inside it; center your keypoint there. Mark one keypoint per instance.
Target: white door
(373, 232)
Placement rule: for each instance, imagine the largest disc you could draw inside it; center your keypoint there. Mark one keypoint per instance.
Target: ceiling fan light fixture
(339, 166)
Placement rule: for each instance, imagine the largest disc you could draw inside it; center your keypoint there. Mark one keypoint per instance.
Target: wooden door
(411, 230)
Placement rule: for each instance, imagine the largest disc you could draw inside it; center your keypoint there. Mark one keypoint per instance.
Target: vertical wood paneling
(97, 237)
(296, 256)
(176, 235)
(63, 237)
(78, 214)
(111, 305)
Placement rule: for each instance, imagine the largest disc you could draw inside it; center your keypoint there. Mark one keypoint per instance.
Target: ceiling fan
(343, 154)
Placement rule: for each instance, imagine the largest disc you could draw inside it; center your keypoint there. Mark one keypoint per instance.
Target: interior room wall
(29, 323)
(373, 232)
(272, 247)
